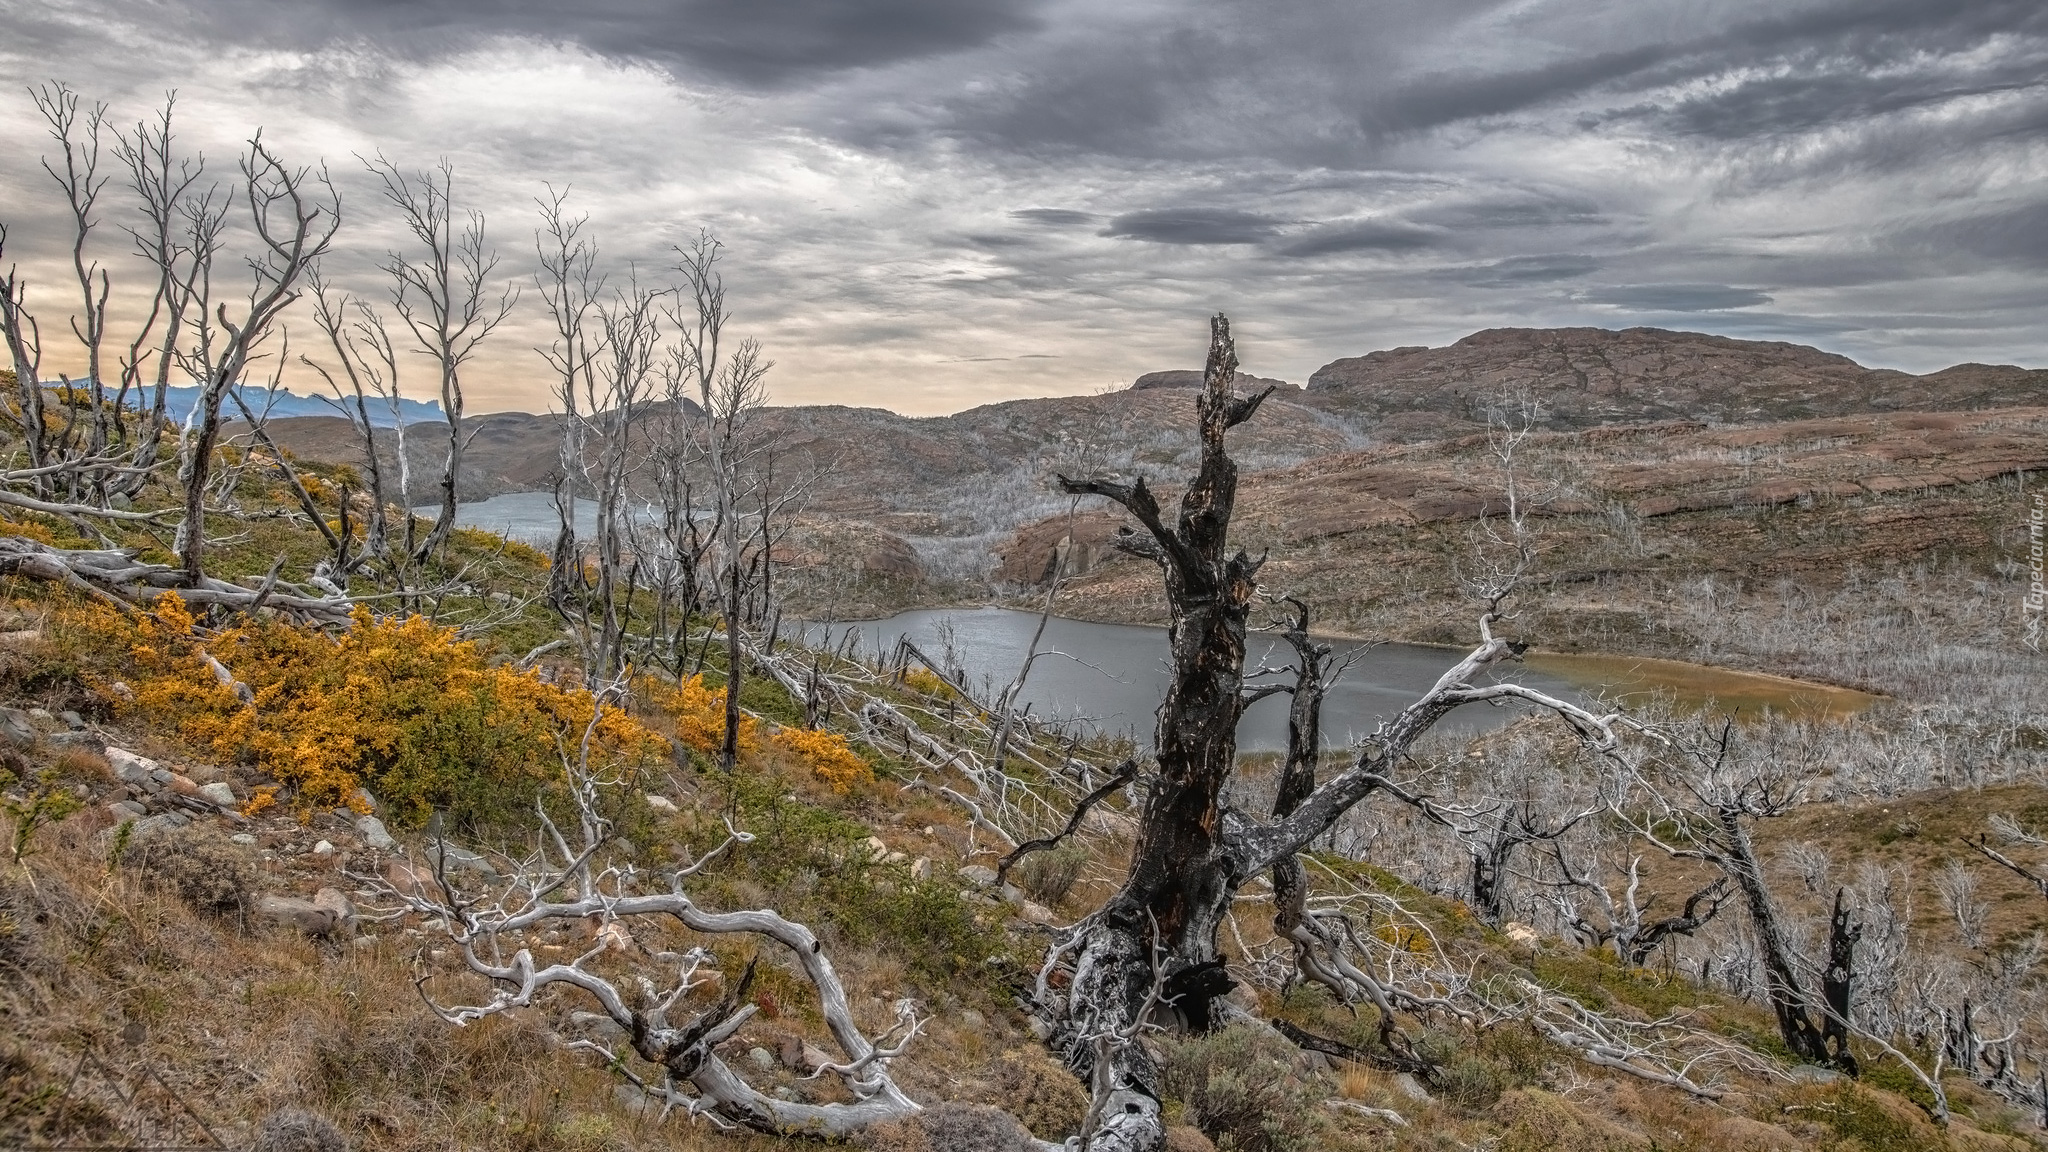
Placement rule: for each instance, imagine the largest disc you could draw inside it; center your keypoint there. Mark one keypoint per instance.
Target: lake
(528, 517)
(1113, 675)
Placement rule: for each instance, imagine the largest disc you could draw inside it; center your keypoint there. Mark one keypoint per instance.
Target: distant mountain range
(178, 403)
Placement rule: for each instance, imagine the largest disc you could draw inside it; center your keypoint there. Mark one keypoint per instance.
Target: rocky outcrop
(1192, 378)
(1588, 376)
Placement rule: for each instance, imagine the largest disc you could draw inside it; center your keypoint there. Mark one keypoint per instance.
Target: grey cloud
(1516, 271)
(1055, 217)
(754, 42)
(1679, 297)
(1193, 226)
(1366, 236)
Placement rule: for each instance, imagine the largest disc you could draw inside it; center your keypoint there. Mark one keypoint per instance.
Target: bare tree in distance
(730, 390)
(442, 294)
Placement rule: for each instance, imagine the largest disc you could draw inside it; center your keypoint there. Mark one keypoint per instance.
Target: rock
(292, 912)
(614, 937)
(323, 848)
(979, 875)
(244, 839)
(125, 810)
(89, 740)
(335, 902)
(973, 1021)
(1813, 1074)
(128, 767)
(598, 1024)
(876, 849)
(157, 825)
(374, 835)
(1521, 935)
(411, 879)
(41, 714)
(762, 1059)
(122, 691)
(896, 858)
(17, 728)
(661, 803)
(182, 785)
(459, 860)
(366, 941)
(1407, 1085)
(800, 1056)
(1036, 913)
(921, 868)
(72, 720)
(220, 792)
(1012, 894)
(1191, 378)
(782, 1092)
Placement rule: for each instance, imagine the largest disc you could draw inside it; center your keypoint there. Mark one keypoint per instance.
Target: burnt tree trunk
(1182, 875)
(1781, 982)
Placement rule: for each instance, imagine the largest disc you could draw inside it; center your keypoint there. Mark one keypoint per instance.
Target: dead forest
(601, 821)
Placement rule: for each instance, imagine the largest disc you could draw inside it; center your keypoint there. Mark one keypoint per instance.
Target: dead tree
(1192, 852)
(294, 227)
(442, 295)
(729, 390)
(1624, 917)
(669, 1052)
(1700, 807)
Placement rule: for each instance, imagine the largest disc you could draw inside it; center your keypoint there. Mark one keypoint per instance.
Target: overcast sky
(931, 204)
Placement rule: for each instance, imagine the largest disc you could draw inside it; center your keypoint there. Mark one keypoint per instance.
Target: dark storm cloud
(1678, 297)
(1193, 226)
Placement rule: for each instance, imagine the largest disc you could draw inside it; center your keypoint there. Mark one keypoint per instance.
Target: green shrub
(1238, 1086)
(1048, 876)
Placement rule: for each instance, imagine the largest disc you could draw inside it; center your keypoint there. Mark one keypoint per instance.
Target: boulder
(293, 912)
(459, 860)
(125, 810)
(661, 803)
(979, 875)
(130, 768)
(375, 835)
(16, 728)
(220, 792)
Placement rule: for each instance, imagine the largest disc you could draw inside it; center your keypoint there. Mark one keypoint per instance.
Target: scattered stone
(762, 1059)
(366, 941)
(220, 792)
(72, 720)
(1521, 935)
(375, 835)
(614, 938)
(336, 903)
(458, 860)
(323, 848)
(800, 1056)
(128, 767)
(89, 740)
(973, 1021)
(661, 803)
(125, 810)
(123, 691)
(1814, 1074)
(1013, 895)
(1407, 1085)
(625, 847)
(1039, 1030)
(244, 839)
(782, 1092)
(598, 1024)
(16, 727)
(1036, 913)
(876, 849)
(41, 714)
(157, 825)
(921, 868)
(292, 912)
(979, 875)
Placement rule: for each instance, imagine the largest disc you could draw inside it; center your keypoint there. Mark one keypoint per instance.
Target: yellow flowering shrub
(402, 707)
(926, 682)
(828, 754)
(493, 542)
(699, 713)
(36, 532)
